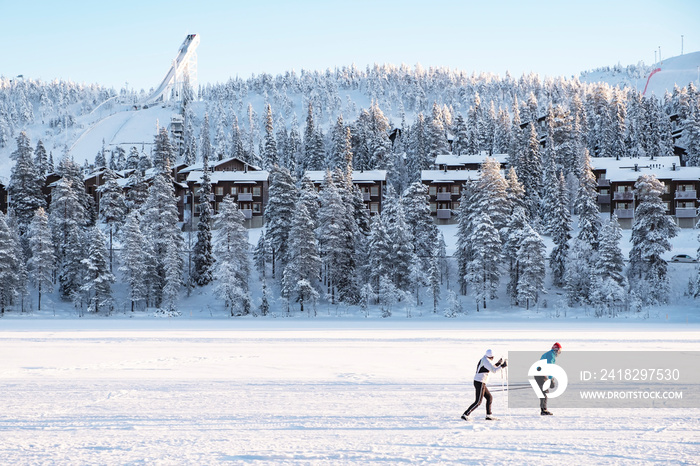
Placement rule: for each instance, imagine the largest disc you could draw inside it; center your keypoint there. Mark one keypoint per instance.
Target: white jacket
(484, 369)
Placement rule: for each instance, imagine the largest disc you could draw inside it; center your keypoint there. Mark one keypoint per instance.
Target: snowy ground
(308, 392)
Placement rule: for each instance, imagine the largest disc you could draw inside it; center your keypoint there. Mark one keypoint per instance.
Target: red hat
(556, 346)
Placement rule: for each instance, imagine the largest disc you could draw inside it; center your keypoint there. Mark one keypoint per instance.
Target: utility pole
(659, 54)
(655, 57)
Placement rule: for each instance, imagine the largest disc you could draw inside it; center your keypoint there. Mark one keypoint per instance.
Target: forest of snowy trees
(323, 245)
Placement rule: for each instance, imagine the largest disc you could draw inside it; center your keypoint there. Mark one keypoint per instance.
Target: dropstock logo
(542, 368)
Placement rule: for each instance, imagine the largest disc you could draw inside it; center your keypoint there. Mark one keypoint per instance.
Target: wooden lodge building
(371, 184)
(247, 184)
(616, 179)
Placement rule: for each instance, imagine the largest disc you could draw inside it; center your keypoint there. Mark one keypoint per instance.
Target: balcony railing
(687, 194)
(603, 182)
(247, 213)
(623, 196)
(444, 213)
(366, 197)
(444, 196)
(603, 198)
(245, 197)
(624, 213)
(686, 212)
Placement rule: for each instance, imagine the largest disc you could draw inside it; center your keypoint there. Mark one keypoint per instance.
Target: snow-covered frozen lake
(244, 392)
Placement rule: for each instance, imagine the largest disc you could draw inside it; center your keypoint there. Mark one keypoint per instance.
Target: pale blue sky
(111, 43)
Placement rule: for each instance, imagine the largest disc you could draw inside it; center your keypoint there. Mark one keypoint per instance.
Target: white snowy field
(257, 392)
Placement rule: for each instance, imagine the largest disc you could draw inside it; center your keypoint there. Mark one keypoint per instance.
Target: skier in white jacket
(483, 370)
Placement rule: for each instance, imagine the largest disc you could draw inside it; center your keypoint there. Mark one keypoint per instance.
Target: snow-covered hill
(675, 71)
(399, 91)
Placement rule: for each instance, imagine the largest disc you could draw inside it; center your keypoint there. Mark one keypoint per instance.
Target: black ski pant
(481, 393)
(543, 401)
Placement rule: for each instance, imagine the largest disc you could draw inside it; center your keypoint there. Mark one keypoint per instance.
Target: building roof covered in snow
(448, 176)
(453, 160)
(358, 176)
(236, 177)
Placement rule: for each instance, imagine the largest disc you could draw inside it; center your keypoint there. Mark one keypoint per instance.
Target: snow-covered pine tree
(419, 222)
(70, 170)
(400, 239)
(172, 265)
(67, 220)
(132, 161)
(294, 151)
(301, 274)
(202, 251)
(101, 157)
(531, 260)
(611, 285)
(502, 139)
(651, 234)
(335, 236)
(237, 148)
(283, 196)
(41, 160)
(493, 193)
(587, 205)
(459, 145)
(418, 156)
(379, 251)
(561, 233)
(483, 269)
(41, 264)
(515, 191)
(233, 258)
(261, 255)
(437, 139)
(434, 275)
(189, 155)
(112, 207)
(97, 282)
(314, 155)
(219, 148)
(378, 143)
(691, 137)
(12, 264)
(579, 274)
(531, 176)
(388, 295)
(270, 156)
(137, 191)
(616, 131)
(512, 238)
(120, 158)
(550, 177)
(160, 218)
(467, 205)
(25, 186)
(145, 162)
(133, 259)
(339, 145)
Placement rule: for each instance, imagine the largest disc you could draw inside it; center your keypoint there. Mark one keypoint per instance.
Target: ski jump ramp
(184, 65)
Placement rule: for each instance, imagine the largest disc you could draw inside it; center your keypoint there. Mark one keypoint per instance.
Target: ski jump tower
(184, 68)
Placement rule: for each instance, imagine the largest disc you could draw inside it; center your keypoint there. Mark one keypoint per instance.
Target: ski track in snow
(309, 397)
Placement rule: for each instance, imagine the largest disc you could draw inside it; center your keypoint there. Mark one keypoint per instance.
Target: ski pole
(507, 392)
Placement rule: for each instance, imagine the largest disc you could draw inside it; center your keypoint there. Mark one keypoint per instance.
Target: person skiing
(551, 357)
(483, 369)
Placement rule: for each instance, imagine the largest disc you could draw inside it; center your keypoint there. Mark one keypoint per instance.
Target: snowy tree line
(323, 245)
(57, 104)
(251, 117)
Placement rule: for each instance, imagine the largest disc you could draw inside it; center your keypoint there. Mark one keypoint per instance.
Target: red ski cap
(556, 346)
